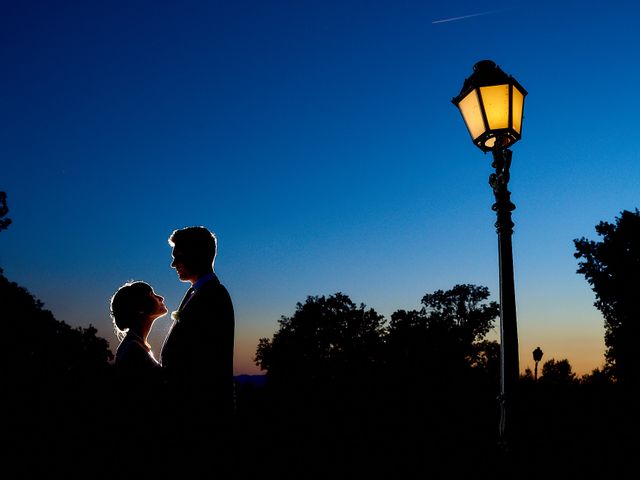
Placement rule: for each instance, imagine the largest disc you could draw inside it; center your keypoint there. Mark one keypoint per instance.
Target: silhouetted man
(197, 354)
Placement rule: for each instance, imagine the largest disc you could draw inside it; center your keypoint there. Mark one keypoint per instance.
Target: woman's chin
(161, 314)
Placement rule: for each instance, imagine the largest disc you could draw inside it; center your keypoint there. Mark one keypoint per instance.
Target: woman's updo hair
(128, 304)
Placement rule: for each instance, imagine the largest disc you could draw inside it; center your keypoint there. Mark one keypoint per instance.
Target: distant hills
(257, 380)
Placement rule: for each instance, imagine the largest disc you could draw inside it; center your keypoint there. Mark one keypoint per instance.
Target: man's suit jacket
(197, 354)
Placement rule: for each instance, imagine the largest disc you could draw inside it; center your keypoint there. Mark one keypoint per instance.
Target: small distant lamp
(492, 106)
(537, 356)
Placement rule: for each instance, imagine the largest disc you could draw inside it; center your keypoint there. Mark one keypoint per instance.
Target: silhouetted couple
(191, 388)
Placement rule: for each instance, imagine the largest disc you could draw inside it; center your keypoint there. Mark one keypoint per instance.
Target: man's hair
(130, 302)
(198, 243)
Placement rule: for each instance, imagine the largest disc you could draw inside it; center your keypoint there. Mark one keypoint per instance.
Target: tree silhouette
(612, 268)
(44, 350)
(447, 335)
(557, 373)
(440, 368)
(597, 378)
(332, 342)
(357, 388)
(56, 384)
(4, 209)
(326, 339)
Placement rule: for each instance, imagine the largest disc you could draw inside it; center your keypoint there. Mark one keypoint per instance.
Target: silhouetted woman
(134, 308)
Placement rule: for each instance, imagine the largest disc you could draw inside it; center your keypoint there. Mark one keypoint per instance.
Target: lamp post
(537, 356)
(492, 105)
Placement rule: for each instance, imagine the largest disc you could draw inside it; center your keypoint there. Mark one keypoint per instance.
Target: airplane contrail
(453, 19)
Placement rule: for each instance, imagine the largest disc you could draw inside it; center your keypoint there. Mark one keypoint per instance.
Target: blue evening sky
(318, 140)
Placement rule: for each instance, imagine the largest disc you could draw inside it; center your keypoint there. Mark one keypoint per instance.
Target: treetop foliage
(612, 267)
(4, 209)
(332, 337)
(325, 335)
(462, 308)
(42, 348)
(557, 372)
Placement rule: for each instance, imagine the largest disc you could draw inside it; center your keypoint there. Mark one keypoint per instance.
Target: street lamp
(492, 105)
(537, 356)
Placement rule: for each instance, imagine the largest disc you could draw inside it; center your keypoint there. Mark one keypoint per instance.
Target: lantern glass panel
(518, 107)
(472, 114)
(496, 105)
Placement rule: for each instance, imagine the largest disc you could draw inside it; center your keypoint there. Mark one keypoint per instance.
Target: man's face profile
(184, 265)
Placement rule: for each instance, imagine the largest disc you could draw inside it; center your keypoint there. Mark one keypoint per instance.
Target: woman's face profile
(159, 308)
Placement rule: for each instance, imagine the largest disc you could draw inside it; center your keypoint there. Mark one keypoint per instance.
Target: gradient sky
(318, 140)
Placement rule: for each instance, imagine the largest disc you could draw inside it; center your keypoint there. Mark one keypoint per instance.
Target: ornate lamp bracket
(499, 182)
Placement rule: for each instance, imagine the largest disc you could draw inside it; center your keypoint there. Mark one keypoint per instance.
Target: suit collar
(204, 279)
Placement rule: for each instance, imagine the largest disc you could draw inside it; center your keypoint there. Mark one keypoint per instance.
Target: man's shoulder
(212, 296)
(214, 287)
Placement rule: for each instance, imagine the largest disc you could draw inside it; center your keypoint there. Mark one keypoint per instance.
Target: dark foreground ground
(561, 434)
